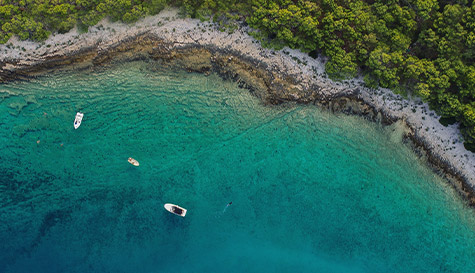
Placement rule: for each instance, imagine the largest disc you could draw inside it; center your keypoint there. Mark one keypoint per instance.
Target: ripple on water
(311, 191)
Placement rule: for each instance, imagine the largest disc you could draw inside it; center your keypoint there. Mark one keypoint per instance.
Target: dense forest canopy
(424, 48)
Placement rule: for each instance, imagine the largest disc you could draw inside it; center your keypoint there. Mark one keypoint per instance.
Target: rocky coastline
(273, 76)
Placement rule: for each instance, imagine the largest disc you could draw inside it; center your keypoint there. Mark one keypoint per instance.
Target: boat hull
(133, 162)
(175, 209)
(78, 120)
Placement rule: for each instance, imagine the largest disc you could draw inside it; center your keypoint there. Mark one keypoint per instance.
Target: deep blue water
(311, 191)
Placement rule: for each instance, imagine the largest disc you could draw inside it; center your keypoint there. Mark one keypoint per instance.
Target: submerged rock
(273, 76)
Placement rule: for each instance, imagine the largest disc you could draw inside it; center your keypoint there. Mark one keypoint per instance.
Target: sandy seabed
(284, 75)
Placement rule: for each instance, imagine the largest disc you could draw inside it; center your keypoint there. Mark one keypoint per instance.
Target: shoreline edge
(273, 76)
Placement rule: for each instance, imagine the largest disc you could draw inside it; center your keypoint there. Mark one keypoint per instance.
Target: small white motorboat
(177, 210)
(78, 119)
(133, 161)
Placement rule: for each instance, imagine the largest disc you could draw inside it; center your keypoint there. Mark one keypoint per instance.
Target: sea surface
(311, 191)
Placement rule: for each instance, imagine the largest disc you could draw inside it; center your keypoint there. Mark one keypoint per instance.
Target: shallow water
(311, 191)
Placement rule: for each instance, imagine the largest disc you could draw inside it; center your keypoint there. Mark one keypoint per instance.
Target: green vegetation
(424, 48)
(36, 19)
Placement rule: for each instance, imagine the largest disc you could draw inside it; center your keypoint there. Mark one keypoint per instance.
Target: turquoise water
(311, 191)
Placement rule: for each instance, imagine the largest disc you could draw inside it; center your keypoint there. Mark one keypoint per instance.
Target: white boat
(78, 119)
(133, 161)
(175, 209)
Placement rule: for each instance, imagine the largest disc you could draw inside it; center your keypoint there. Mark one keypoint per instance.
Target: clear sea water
(312, 191)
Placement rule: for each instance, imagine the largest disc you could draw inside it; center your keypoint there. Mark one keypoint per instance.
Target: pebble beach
(293, 76)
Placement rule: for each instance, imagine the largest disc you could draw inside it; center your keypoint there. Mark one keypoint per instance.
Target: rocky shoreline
(273, 76)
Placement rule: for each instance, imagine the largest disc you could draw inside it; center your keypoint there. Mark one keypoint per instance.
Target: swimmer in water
(229, 204)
